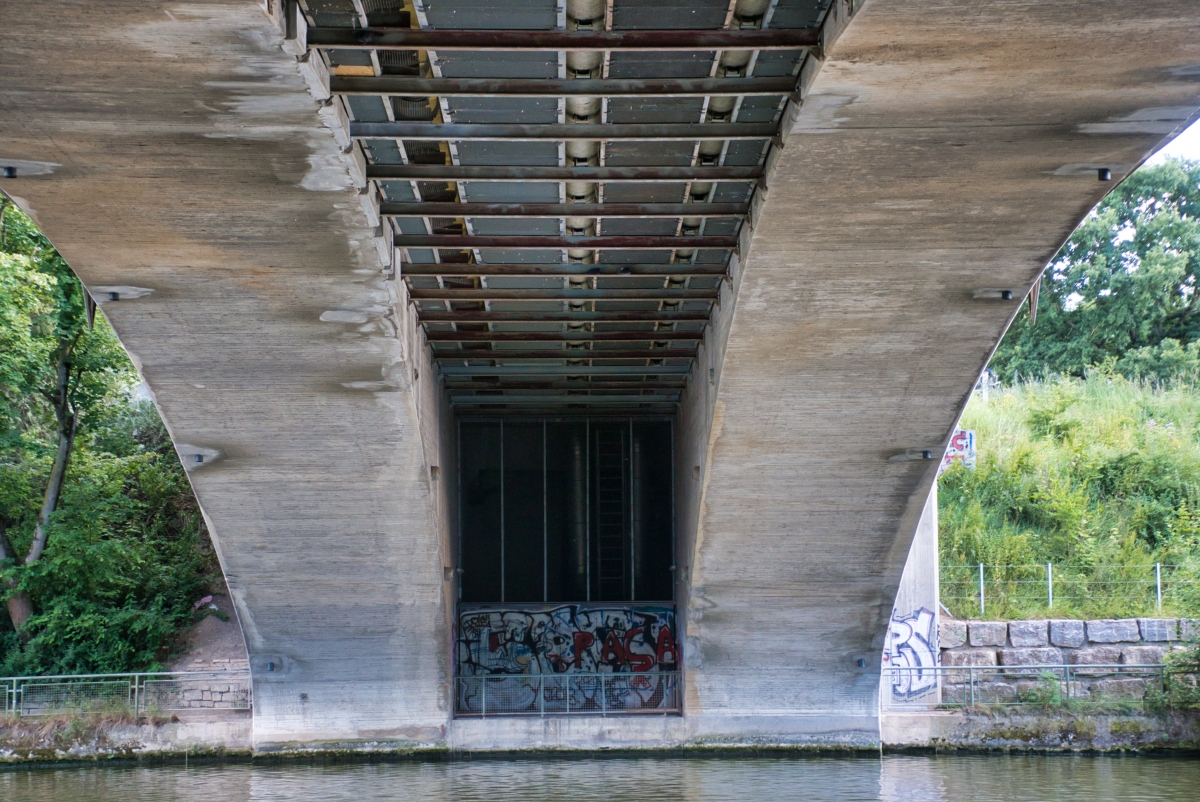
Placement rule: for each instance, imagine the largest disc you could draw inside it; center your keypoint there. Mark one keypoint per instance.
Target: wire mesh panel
(41, 698)
(567, 694)
(196, 693)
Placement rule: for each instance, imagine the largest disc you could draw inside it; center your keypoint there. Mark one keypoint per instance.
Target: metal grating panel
(485, 123)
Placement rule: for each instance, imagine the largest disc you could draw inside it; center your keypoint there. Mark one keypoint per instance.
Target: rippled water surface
(991, 778)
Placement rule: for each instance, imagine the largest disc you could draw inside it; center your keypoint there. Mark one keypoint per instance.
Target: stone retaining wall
(1090, 645)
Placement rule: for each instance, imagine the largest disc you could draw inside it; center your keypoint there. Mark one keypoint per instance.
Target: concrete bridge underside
(173, 153)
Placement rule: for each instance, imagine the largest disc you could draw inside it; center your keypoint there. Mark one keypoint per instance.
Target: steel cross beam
(561, 336)
(477, 316)
(629, 210)
(467, 383)
(497, 132)
(563, 371)
(562, 295)
(533, 87)
(560, 269)
(383, 38)
(535, 242)
(584, 354)
(640, 175)
(556, 400)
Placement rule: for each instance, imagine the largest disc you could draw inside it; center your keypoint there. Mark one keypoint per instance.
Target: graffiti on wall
(570, 639)
(912, 648)
(961, 449)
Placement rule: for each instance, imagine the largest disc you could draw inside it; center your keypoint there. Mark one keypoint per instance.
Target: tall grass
(1098, 476)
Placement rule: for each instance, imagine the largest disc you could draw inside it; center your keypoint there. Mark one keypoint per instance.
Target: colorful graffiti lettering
(566, 693)
(912, 646)
(569, 639)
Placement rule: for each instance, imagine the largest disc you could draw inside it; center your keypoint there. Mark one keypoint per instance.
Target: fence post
(981, 606)
(971, 682)
(1158, 584)
(483, 699)
(1049, 585)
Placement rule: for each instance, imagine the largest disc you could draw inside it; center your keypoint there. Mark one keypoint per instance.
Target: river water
(760, 779)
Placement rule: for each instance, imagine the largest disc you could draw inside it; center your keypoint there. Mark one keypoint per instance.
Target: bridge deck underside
(943, 148)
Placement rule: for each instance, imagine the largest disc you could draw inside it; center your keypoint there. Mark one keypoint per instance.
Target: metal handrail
(1067, 675)
(563, 707)
(135, 692)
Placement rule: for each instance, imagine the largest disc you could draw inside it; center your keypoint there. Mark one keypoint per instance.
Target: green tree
(1123, 288)
(102, 548)
(58, 355)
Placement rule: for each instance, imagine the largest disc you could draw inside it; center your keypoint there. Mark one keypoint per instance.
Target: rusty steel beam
(639, 175)
(538, 87)
(455, 383)
(557, 400)
(383, 38)
(552, 371)
(538, 242)
(509, 132)
(657, 316)
(587, 354)
(562, 269)
(560, 336)
(562, 295)
(634, 210)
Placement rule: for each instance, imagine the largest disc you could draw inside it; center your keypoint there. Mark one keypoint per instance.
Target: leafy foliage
(1122, 291)
(128, 552)
(1099, 476)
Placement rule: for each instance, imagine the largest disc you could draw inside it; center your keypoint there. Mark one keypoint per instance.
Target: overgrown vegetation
(1089, 459)
(1100, 477)
(103, 548)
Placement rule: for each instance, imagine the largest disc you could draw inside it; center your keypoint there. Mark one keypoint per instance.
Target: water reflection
(892, 779)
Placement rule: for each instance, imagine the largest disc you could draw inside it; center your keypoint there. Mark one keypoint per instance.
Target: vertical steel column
(545, 530)
(458, 470)
(1158, 584)
(502, 598)
(632, 517)
(981, 607)
(1049, 585)
(587, 490)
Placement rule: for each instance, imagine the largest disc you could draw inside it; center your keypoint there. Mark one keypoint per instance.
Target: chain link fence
(131, 693)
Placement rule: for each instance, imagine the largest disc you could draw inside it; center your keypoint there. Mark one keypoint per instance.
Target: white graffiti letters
(912, 649)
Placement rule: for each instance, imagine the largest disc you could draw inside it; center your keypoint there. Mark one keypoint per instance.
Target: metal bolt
(114, 296)
(199, 458)
(1006, 294)
(10, 171)
(1104, 174)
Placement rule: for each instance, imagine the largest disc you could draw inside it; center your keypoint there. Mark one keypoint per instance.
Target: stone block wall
(1096, 651)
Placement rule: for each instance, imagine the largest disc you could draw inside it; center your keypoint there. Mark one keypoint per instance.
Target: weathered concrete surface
(939, 152)
(945, 147)
(210, 733)
(188, 159)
